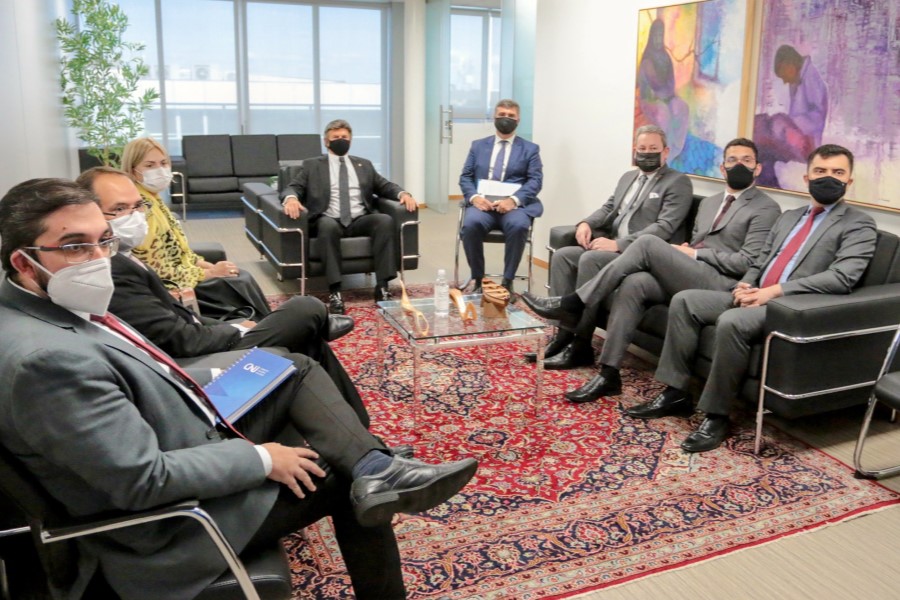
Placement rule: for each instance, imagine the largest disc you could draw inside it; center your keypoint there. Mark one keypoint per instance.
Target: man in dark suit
(511, 159)
(823, 248)
(337, 190)
(301, 325)
(104, 421)
(728, 234)
(650, 200)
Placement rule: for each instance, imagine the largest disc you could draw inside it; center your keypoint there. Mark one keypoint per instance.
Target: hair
(25, 207)
(337, 124)
(652, 129)
(136, 150)
(827, 151)
(787, 54)
(742, 142)
(89, 177)
(507, 103)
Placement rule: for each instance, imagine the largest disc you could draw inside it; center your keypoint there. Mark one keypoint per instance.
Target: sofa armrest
(561, 236)
(822, 314)
(845, 364)
(210, 251)
(409, 234)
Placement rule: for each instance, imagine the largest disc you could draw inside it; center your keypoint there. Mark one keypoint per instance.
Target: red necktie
(791, 249)
(729, 199)
(161, 357)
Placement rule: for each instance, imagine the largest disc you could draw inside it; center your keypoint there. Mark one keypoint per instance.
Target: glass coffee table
(431, 333)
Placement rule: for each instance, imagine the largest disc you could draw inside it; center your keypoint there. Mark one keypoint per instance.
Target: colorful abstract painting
(689, 73)
(829, 72)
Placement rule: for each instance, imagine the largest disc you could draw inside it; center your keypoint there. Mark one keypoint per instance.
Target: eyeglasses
(747, 161)
(121, 211)
(76, 254)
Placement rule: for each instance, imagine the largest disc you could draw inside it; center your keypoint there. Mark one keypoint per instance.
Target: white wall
(35, 141)
(584, 108)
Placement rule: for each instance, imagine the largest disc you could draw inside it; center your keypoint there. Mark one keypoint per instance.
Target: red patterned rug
(572, 498)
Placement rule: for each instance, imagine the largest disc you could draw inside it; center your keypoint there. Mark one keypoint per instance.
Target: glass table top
(431, 326)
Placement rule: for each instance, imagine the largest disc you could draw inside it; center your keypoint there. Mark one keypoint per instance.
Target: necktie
(161, 357)
(498, 162)
(790, 249)
(624, 216)
(344, 194)
(729, 200)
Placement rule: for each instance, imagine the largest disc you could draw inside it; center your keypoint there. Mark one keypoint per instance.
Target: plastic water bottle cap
(442, 273)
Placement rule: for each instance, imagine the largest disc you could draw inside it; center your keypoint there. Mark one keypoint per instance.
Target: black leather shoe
(668, 403)
(508, 284)
(709, 436)
(403, 451)
(549, 308)
(609, 384)
(407, 486)
(382, 293)
(557, 345)
(573, 356)
(338, 327)
(335, 303)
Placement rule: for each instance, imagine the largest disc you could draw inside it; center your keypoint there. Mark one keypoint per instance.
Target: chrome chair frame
(499, 237)
(861, 472)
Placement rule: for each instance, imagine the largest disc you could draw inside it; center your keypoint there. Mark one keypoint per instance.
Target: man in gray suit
(728, 234)
(105, 422)
(823, 248)
(650, 200)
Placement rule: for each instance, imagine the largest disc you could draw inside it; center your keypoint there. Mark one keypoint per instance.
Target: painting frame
(691, 78)
(816, 31)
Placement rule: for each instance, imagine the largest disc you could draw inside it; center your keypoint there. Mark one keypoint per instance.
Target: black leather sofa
(215, 167)
(825, 350)
(287, 245)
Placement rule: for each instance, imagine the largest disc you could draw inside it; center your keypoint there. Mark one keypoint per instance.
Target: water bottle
(441, 294)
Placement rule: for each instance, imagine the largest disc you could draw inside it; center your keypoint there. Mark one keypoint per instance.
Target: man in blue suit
(508, 158)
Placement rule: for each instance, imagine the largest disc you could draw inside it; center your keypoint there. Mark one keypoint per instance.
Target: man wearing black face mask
(822, 248)
(728, 234)
(508, 158)
(338, 191)
(650, 200)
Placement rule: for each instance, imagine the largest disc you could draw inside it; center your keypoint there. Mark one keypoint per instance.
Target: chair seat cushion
(269, 571)
(887, 390)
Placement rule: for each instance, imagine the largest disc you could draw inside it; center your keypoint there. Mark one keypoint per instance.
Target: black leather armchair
(262, 575)
(287, 245)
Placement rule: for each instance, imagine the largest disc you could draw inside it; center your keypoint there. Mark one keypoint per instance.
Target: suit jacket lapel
(737, 205)
(831, 218)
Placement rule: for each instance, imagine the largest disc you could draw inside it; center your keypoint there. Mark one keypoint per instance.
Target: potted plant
(99, 76)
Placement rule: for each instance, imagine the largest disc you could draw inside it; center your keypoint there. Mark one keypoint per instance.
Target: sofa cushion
(209, 185)
(254, 155)
(208, 155)
(297, 146)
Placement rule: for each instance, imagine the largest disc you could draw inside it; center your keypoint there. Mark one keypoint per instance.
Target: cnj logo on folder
(242, 385)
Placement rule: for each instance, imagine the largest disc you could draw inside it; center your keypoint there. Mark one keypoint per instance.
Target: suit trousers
(478, 223)
(300, 325)
(649, 272)
(309, 403)
(378, 226)
(736, 330)
(573, 266)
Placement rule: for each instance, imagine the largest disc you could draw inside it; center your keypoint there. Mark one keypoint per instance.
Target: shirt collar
(498, 139)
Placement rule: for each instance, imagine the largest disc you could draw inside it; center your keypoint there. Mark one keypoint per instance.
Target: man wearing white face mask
(104, 421)
(301, 324)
